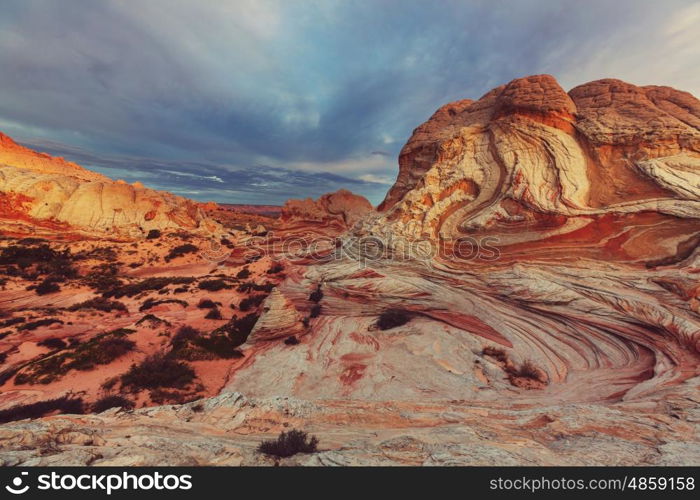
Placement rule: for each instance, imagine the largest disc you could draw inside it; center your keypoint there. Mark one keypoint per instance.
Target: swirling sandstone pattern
(589, 201)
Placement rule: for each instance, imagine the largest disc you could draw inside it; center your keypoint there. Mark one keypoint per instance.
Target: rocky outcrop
(38, 187)
(341, 208)
(561, 233)
(279, 319)
(528, 152)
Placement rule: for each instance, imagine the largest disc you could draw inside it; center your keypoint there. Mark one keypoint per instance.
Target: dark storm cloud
(311, 90)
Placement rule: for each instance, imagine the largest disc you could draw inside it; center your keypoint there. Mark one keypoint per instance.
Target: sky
(258, 101)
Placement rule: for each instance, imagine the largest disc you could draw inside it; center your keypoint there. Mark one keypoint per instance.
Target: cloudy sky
(252, 101)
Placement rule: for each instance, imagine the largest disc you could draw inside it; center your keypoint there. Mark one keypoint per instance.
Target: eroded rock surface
(38, 187)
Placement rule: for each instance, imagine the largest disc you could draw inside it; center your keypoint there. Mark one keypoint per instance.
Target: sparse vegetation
(180, 251)
(214, 285)
(275, 268)
(101, 350)
(249, 286)
(528, 370)
(206, 304)
(149, 284)
(150, 303)
(158, 371)
(243, 274)
(66, 404)
(316, 295)
(153, 234)
(315, 311)
(496, 353)
(12, 321)
(214, 314)
(33, 325)
(112, 401)
(46, 287)
(391, 318)
(99, 304)
(53, 343)
(250, 302)
(289, 443)
(291, 340)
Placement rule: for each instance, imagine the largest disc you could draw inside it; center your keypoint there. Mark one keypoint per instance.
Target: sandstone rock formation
(582, 211)
(39, 188)
(341, 208)
(279, 319)
(529, 153)
(552, 316)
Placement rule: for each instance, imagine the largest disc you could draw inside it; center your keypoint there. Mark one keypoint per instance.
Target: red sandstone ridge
(40, 189)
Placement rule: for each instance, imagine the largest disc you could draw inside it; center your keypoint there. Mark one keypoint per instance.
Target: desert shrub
(250, 286)
(39, 409)
(26, 256)
(250, 302)
(150, 303)
(153, 234)
(528, 370)
(227, 243)
(238, 329)
(315, 311)
(391, 318)
(316, 295)
(100, 350)
(180, 251)
(214, 285)
(213, 314)
(113, 401)
(206, 304)
(99, 304)
(103, 278)
(275, 269)
(151, 318)
(53, 343)
(46, 287)
(496, 353)
(30, 241)
(33, 325)
(181, 289)
(12, 321)
(291, 340)
(198, 408)
(183, 335)
(289, 443)
(243, 273)
(149, 284)
(157, 371)
(220, 346)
